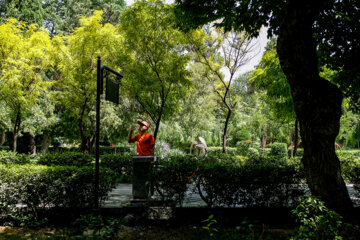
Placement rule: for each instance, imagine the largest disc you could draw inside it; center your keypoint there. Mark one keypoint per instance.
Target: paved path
(122, 195)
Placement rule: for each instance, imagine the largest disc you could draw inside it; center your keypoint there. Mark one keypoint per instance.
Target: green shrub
(119, 163)
(229, 150)
(114, 150)
(7, 157)
(43, 187)
(66, 159)
(4, 148)
(318, 222)
(225, 184)
(278, 150)
(243, 147)
(172, 175)
(253, 153)
(299, 152)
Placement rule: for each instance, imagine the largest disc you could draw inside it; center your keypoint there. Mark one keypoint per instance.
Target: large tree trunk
(317, 104)
(225, 130)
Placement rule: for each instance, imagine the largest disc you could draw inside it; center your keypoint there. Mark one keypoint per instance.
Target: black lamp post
(100, 71)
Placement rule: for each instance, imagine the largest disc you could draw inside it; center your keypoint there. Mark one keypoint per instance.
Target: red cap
(144, 123)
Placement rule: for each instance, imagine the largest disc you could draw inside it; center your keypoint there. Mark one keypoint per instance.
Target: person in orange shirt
(145, 141)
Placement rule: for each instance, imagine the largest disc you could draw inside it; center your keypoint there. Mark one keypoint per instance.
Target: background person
(145, 141)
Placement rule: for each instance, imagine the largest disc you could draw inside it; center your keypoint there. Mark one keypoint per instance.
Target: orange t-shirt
(145, 143)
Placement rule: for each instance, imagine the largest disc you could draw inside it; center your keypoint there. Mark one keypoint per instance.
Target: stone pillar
(141, 177)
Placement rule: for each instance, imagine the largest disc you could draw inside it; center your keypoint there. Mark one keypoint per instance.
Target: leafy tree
(269, 78)
(303, 27)
(76, 89)
(62, 17)
(30, 11)
(197, 108)
(25, 54)
(155, 73)
(229, 50)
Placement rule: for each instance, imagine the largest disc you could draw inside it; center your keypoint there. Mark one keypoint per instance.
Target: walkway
(122, 195)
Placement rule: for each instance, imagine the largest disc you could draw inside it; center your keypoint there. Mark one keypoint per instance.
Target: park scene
(179, 119)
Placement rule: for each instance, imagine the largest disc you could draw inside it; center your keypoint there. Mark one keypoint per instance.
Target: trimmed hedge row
(228, 184)
(35, 187)
(7, 157)
(119, 163)
(77, 159)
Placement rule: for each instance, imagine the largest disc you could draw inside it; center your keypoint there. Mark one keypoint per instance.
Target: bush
(66, 159)
(253, 153)
(278, 150)
(319, 222)
(172, 175)
(224, 184)
(243, 147)
(229, 150)
(39, 187)
(4, 148)
(114, 150)
(7, 157)
(119, 163)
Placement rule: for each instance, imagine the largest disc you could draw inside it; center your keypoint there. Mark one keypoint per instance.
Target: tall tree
(229, 50)
(62, 16)
(30, 11)
(24, 56)
(155, 73)
(317, 102)
(269, 78)
(76, 89)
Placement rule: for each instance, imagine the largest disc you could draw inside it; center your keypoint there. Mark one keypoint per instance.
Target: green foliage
(269, 77)
(253, 153)
(39, 187)
(250, 184)
(30, 11)
(94, 227)
(76, 61)
(172, 176)
(114, 150)
(318, 222)
(119, 163)
(278, 150)
(229, 150)
(77, 159)
(7, 157)
(243, 147)
(62, 17)
(155, 73)
(209, 227)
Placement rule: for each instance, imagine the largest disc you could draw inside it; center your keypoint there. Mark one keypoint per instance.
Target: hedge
(227, 183)
(172, 176)
(249, 184)
(36, 187)
(66, 159)
(7, 157)
(119, 163)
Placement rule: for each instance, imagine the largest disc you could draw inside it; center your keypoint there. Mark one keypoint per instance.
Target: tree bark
(225, 130)
(16, 130)
(45, 142)
(317, 104)
(3, 138)
(296, 137)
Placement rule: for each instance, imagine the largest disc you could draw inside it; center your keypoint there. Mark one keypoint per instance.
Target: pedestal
(141, 178)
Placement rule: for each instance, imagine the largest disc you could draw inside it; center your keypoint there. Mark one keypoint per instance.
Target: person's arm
(132, 128)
